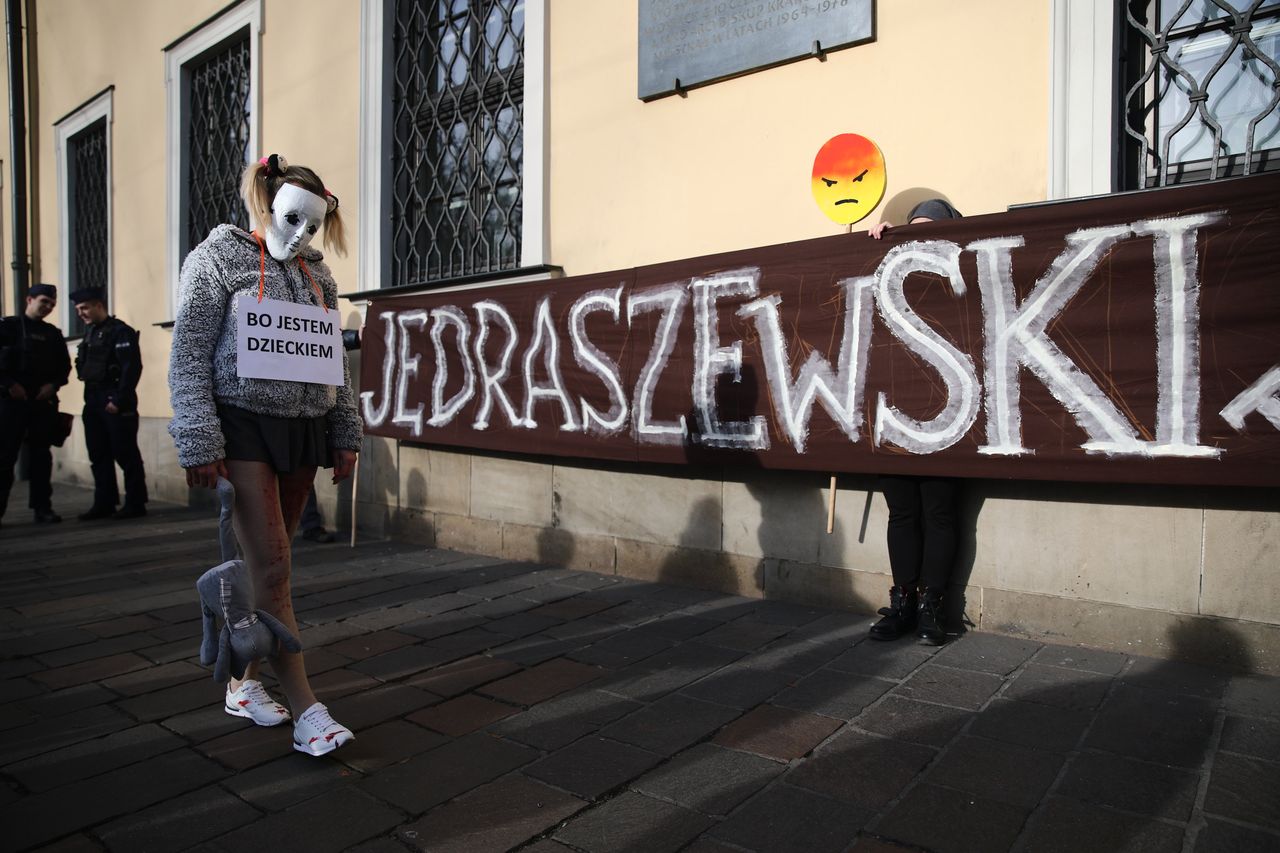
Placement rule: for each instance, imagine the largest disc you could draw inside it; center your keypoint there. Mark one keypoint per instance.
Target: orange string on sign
(262, 265)
(262, 273)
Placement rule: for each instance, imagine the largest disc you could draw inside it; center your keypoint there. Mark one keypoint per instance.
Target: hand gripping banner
(1132, 338)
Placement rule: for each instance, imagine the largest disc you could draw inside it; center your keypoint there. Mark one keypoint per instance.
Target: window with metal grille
(216, 116)
(1199, 89)
(87, 212)
(456, 121)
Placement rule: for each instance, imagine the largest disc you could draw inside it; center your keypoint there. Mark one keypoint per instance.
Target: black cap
(43, 290)
(88, 294)
(934, 208)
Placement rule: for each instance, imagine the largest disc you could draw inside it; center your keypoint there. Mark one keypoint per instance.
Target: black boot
(931, 630)
(95, 512)
(899, 616)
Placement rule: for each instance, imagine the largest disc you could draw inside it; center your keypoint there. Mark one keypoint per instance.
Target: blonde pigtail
(264, 178)
(256, 194)
(335, 233)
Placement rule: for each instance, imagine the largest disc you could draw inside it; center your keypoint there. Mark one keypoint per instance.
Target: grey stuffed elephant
(247, 634)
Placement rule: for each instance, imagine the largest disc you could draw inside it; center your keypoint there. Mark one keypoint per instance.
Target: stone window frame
(373, 238)
(178, 55)
(98, 108)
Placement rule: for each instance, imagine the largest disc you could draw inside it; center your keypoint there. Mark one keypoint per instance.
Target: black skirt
(286, 444)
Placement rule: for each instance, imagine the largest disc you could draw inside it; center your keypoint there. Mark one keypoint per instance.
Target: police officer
(109, 363)
(33, 366)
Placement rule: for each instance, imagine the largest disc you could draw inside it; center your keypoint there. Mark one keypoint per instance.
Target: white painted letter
(840, 392)
(376, 417)
(1178, 333)
(672, 299)
(442, 412)
(592, 360)
(543, 326)
(408, 367)
(1262, 397)
(710, 360)
(1015, 334)
(941, 257)
(491, 378)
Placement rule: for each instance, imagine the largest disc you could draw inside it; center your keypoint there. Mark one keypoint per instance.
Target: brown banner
(1134, 338)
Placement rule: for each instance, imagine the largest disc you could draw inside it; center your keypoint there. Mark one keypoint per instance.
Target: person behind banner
(33, 365)
(922, 529)
(109, 363)
(267, 436)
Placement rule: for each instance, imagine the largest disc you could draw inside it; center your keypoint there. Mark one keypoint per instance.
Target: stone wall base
(1231, 644)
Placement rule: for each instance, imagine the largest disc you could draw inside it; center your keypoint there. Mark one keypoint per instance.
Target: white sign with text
(285, 340)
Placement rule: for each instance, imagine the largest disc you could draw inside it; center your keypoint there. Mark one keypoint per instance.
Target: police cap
(43, 290)
(88, 294)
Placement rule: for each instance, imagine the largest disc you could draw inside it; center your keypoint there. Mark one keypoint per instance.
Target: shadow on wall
(1209, 642)
(556, 546)
(691, 563)
(792, 527)
(413, 519)
(379, 489)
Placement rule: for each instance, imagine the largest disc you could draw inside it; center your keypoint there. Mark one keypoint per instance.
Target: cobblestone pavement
(504, 705)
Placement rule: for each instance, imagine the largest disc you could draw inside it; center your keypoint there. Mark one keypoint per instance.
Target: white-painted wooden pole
(831, 506)
(355, 497)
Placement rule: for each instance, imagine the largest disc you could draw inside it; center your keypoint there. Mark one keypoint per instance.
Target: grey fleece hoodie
(202, 363)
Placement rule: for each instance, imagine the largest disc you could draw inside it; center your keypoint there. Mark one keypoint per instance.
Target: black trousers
(922, 529)
(112, 439)
(32, 421)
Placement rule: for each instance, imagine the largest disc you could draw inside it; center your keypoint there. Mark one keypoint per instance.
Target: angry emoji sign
(848, 177)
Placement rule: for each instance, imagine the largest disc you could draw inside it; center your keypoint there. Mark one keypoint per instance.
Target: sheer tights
(268, 506)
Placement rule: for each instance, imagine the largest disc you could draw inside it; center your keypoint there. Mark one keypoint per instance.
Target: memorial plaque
(686, 43)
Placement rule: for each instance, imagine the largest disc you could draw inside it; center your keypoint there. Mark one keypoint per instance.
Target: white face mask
(296, 216)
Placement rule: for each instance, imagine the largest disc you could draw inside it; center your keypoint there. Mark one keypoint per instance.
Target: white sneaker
(253, 701)
(315, 732)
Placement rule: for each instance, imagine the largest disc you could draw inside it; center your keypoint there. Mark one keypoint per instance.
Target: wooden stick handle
(831, 506)
(355, 497)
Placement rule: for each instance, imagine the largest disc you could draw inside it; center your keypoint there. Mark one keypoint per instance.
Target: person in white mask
(265, 433)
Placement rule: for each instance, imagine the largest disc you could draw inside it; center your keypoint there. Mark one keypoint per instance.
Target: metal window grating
(457, 91)
(217, 140)
(1200, 90)
(87, 194)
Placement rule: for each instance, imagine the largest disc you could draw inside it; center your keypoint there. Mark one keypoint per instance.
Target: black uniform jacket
(33, 353)
(109, 360)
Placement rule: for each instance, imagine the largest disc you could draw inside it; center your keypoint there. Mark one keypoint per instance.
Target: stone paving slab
(508, 706)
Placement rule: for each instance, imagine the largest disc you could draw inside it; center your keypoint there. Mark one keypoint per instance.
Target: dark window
(1198, 90)
(87, 211)
(456, 97)
(216, 114)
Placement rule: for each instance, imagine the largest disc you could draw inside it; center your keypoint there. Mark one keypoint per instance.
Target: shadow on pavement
(503, 705)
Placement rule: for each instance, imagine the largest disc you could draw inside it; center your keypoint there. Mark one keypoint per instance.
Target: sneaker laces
(254, 691)
(317, 716)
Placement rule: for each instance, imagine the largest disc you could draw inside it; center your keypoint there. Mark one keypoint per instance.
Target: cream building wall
(961, 107)
(728, 167)
(308, 103)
